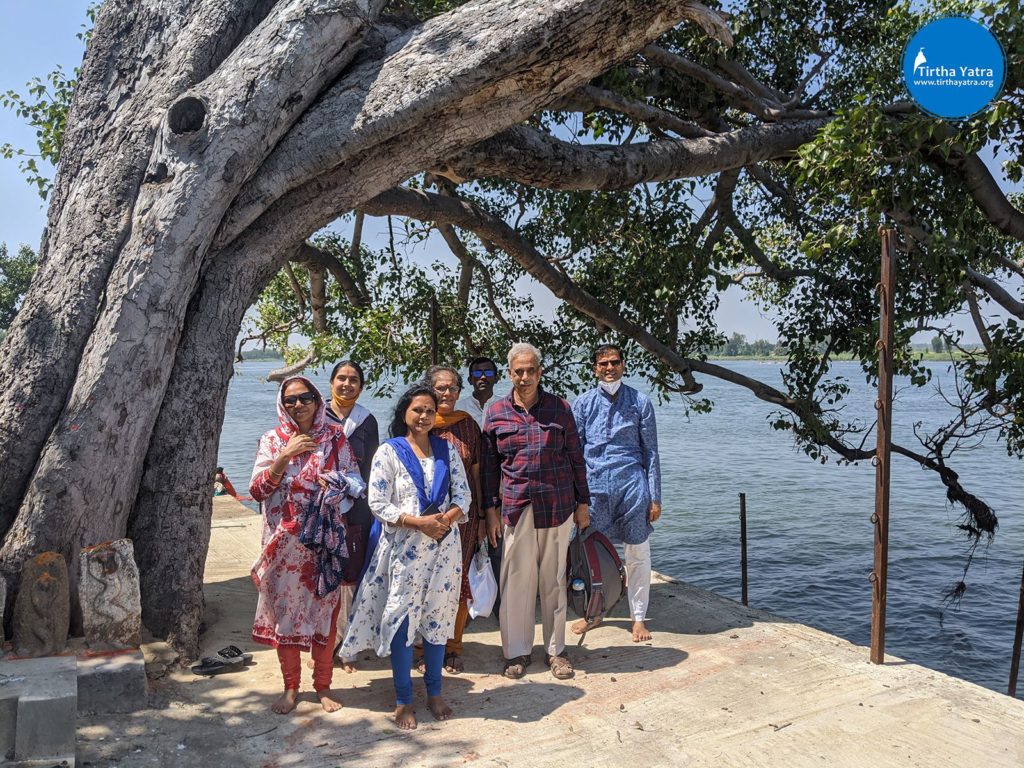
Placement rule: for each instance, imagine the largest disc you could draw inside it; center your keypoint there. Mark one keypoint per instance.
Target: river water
(810, 541)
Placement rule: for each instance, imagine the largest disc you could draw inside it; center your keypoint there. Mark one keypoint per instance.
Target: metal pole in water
(1017, 637)
(743, 548)
(882, 460)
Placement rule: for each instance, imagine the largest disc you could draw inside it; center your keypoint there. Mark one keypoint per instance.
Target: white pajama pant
(637, 559)
(533, 559)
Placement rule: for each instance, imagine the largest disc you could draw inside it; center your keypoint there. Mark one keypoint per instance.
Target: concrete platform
(720, 685)
(38, 707)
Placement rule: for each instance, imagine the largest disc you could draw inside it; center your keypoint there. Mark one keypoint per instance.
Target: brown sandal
(516, 668)
(561, 669)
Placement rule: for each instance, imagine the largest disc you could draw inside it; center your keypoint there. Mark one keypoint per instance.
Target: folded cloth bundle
(323, 528)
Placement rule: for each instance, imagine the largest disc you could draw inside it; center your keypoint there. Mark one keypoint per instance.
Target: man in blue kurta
(620, 446)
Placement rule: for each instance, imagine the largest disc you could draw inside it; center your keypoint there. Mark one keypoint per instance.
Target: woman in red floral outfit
(304, 454)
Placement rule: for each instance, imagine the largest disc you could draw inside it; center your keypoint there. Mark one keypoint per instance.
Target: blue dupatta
(442, 469)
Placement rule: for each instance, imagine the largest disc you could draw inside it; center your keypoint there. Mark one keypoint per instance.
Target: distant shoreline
(261, 356)
(919, 354)
(268, 356)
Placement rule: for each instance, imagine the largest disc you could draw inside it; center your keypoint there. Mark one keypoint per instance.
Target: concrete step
(38, 709)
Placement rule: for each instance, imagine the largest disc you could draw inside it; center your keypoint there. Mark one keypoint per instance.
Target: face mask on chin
(611, 387)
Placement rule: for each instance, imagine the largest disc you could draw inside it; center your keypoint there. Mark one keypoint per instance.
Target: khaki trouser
(533, 559)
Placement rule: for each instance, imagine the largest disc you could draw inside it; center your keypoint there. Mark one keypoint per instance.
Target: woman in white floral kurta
(412, 586)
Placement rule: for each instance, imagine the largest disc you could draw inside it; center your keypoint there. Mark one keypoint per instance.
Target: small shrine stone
(108, 591)
(42, 609)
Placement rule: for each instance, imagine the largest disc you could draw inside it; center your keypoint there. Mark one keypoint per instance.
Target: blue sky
(36, 36)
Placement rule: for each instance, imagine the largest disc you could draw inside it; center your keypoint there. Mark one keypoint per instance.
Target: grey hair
(428, 377)
(524, 348)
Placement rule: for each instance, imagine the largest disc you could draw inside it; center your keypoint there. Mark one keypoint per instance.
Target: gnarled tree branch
(999, 294)
(985, 190)
(310, 255)
(761, 107)
(651, 116)
(530, 157)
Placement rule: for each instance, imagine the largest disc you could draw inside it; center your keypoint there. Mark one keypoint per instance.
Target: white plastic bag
(482, 586)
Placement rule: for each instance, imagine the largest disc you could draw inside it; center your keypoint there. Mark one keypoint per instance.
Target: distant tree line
(737, 345)
(15, 275)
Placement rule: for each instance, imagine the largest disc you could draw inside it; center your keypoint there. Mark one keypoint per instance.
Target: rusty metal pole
(882, 460)
(743, 548)
(434, 321)
(1017, 638)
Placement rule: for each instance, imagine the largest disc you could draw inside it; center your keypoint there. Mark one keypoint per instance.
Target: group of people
(367, 545)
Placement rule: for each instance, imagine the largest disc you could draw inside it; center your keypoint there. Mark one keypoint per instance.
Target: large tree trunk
(141, 56)
(195, 173)
(171, 522)
(211, 139)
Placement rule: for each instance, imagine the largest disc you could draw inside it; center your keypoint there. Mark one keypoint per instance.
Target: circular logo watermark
(954, 68)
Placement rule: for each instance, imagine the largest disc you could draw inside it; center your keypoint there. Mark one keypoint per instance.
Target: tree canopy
(693, 169)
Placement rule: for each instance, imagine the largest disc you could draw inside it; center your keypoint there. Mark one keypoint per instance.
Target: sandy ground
(720, 685)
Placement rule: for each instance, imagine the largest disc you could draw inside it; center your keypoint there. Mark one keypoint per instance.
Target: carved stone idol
(42, 609)
(109, 593)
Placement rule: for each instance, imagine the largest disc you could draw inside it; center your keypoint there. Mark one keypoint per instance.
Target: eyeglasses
(305, 398)
(482, 374)
(446, 388)
(613, 363)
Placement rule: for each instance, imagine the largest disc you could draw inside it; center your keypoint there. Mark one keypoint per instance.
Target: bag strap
(595, 606)
(610, 549)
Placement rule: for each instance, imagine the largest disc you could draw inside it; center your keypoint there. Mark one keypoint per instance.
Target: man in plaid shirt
(532, 453)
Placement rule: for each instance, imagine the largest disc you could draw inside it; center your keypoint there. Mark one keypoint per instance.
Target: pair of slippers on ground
(230, 659)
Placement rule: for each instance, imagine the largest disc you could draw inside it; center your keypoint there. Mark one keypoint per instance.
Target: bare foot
(286, 703)
(640, 632)
(438, 708)
(349, 666)
(329, 704)
(405, 717)
(579, 627)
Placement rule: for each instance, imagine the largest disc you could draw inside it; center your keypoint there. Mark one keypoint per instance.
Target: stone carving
(109, 594)
(3, 606)
(42, 609)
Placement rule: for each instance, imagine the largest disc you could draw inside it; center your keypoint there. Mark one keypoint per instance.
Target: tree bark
(170, 524)
(210, 140)
(140, 56)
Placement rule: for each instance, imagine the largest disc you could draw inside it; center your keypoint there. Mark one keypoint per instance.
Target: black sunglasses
(305, 398)
(481, 374)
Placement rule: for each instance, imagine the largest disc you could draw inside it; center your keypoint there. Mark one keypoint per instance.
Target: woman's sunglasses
(481, 374)
(305, 398)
